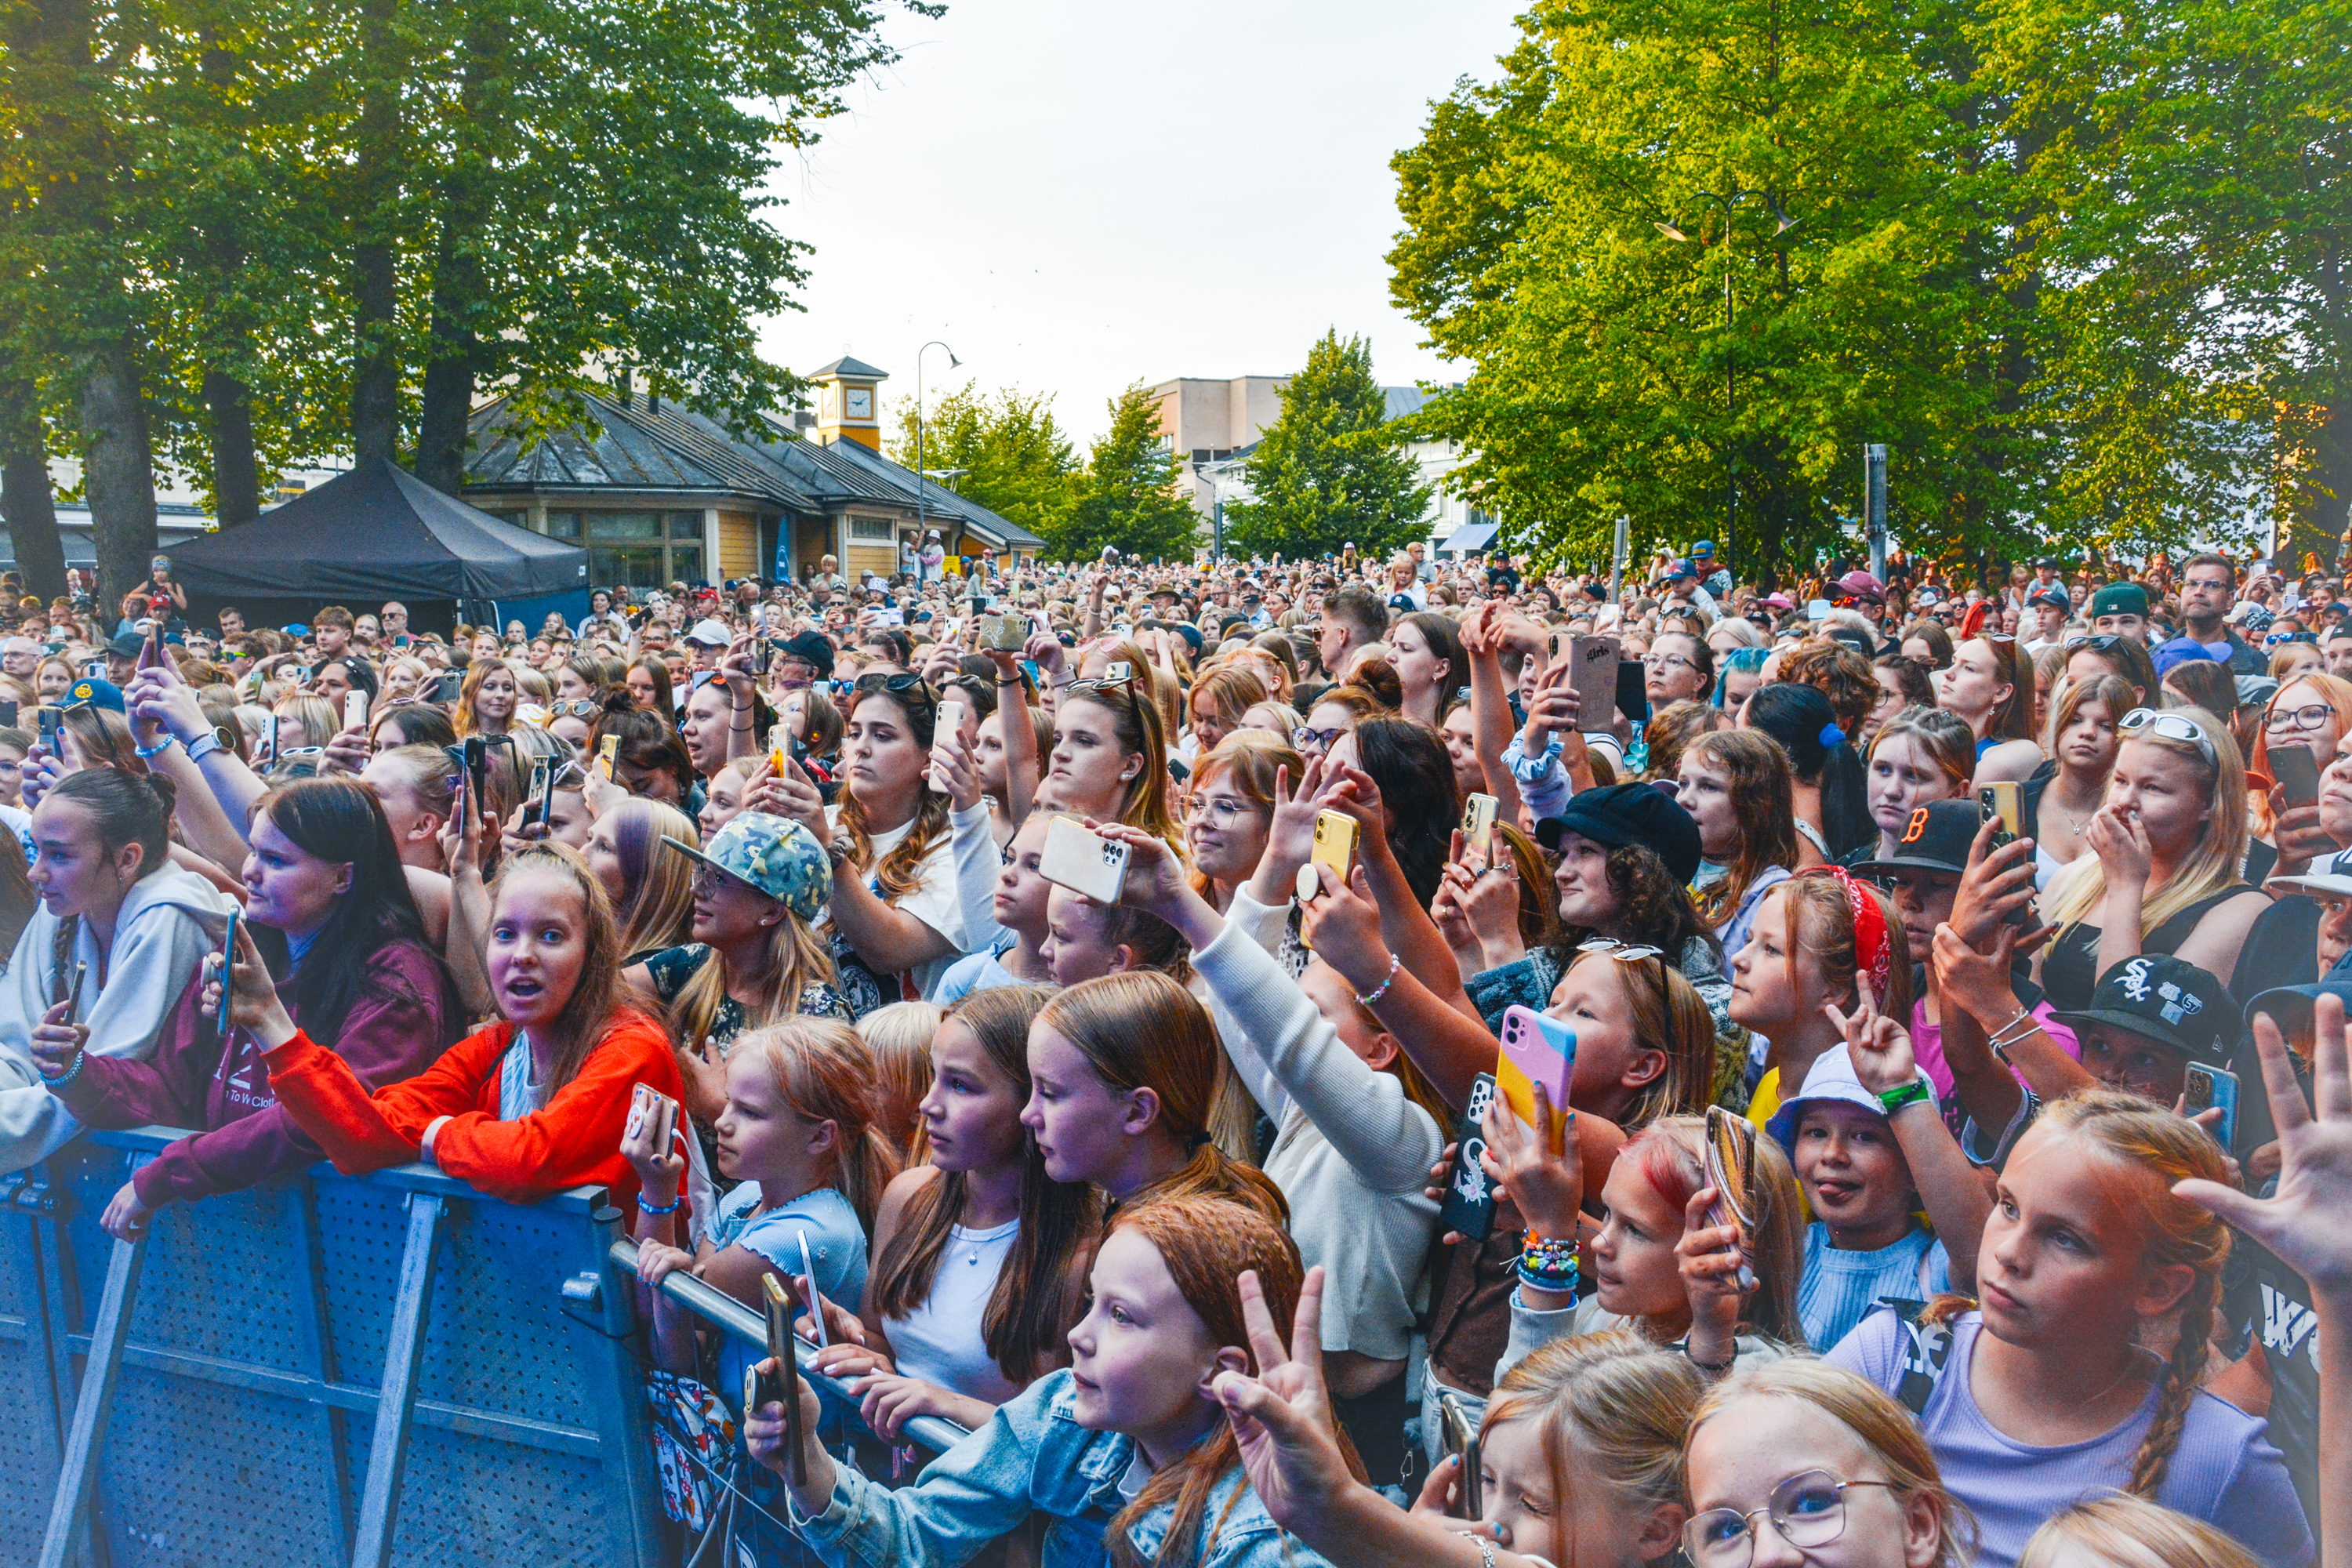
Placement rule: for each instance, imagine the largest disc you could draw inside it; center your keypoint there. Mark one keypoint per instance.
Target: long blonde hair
(2221, 852)
(823, 1071)
(1613, 1398)
(2132, 1532)
(659, 906)
(797, 958)
(1876, 1421)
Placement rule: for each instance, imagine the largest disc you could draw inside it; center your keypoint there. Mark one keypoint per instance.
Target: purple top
(396, 1028)
(2223, 1472)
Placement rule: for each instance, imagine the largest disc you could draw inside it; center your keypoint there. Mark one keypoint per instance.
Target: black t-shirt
(1503, 577)
(2266, 1303)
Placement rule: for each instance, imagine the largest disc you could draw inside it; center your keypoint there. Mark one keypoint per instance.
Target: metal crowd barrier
(378, 1370)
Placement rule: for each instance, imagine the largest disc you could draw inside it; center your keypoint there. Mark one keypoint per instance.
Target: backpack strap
(1927, 1351)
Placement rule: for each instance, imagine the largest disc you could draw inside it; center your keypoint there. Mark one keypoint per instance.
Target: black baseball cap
(1629, 813)
(2167, 999)
(1936, 838)
(811, 650)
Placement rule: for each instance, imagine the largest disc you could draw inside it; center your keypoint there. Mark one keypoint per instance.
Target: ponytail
(1820, 752)
(1141, 1029)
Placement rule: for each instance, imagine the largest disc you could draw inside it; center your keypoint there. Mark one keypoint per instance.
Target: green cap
(2120, 599)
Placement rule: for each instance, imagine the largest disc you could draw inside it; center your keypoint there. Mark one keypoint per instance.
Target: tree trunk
(375, 281)
(119, 466)
(441, 435)
(25, 496)
(237, 484)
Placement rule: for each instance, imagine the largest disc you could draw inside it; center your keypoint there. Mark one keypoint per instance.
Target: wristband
(70, 1073)
(1712, 1368)
(645, 1207)
(203, 746)
(1547, 1265)
(1382, 990)
(149, 754)
(1911, 1093)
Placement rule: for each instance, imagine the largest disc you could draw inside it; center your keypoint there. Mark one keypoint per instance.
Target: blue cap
(1704, 547)
(2170, 656)
(297, 630)
(92, 693)
(774, 856)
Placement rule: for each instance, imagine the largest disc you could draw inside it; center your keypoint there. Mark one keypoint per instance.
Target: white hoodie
(169, 919)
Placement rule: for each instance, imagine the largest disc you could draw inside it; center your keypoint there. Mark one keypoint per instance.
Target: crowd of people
(1112, 1001)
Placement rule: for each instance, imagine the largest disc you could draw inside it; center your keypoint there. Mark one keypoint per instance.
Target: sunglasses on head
(911, 687)
(2171, 727)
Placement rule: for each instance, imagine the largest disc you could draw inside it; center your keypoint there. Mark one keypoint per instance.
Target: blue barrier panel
(392, 1369)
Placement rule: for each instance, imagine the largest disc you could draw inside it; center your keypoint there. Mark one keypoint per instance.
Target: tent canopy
(378, 532)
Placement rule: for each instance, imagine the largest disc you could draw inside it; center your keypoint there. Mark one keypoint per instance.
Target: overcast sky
(1074, 196)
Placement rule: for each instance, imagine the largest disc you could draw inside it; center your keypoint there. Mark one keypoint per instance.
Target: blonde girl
(652, 889)
(489, 712)
(2126, 1532)
(2078, 1371)
(2166, 849)
(1820, 1465)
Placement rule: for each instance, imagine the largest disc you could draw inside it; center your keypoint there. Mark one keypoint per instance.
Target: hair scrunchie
(1831, 737)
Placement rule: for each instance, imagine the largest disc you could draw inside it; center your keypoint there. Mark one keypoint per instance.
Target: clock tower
(849, 402)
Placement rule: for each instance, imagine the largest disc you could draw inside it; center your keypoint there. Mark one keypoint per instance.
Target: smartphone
(1730, 1162)
(815, 1311)
(447, 685)
(93, 669)
(782, 1385)
(1118, 670)
(607, 749)
(9, 714)
(1633, 692)
(268, 740)
(542, 791)
(460, 790)
(73, 1000)
(1536, 1050)
(1460, 1436)
(52, 720)
(355, 709)
(1593, 675)
(302, 675)
(1335, 842)
(950, 718)
(2206, 1088)
(2003, 803)
(1077, 859)
(229, 969)
(1478, 827)
(1469, 1193)
(2297, 772)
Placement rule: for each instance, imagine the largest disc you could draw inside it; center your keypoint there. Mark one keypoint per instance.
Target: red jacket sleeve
(362, 1132)
(575, 1140)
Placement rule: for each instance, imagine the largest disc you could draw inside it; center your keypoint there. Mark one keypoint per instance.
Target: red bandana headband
(1871, 951)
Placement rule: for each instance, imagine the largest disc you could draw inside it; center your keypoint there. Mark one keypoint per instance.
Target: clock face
(861, 403)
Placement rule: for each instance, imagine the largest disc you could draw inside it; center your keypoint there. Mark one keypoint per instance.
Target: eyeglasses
(2280, 639)
(1807, 1510)
(2105, 642)
(2172, 727)
(1667, 661)
(2310, 716)
(1224, 808)
(1318, 741)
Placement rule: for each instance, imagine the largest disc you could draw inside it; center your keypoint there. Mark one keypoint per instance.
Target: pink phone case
(1529, 1057)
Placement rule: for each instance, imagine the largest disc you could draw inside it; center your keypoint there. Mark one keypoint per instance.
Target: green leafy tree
(1831, 277)
(1127, 496)
(1330, 470)
(1015, 458)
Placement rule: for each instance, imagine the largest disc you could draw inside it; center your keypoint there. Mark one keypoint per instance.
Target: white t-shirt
(936, 900)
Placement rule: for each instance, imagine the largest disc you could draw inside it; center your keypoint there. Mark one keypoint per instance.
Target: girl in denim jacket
(1126, 1447)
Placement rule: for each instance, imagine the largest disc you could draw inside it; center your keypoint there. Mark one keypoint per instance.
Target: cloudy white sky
(1075, 194)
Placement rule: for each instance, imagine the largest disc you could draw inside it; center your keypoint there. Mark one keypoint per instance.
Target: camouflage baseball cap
(772, 854)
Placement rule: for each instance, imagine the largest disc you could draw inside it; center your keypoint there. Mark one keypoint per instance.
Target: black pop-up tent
(377, 533)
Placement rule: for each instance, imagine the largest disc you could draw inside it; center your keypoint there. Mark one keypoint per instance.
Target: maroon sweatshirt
(395, 1030)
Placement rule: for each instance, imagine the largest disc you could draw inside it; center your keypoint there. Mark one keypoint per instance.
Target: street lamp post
(1731, 385)
(920, 511)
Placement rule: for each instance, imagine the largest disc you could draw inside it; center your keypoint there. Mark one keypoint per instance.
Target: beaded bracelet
(1547, 1264)
(1382, 990)
(671, 1207)
(67, 1076)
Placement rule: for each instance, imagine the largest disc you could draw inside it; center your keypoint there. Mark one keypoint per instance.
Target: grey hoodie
(169, 921)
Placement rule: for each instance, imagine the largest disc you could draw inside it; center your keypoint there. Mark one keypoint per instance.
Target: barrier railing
(388, 1369)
